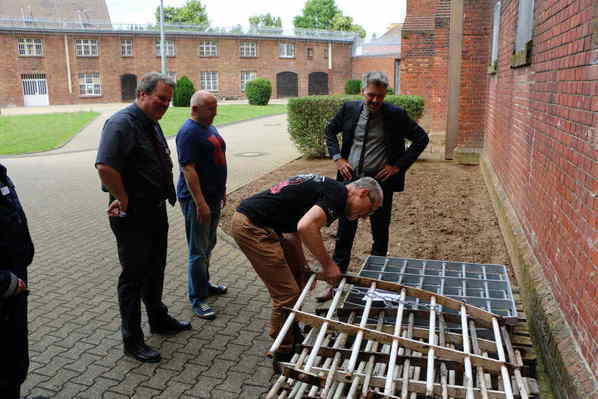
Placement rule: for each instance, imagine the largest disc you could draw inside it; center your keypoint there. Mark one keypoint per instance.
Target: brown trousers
(277, 265)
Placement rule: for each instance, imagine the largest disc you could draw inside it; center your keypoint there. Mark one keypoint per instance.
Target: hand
(117, 207)
(331, 274)
(223, 203)
(202, 211)
(344, 168)
(21, 287)
(386, 172)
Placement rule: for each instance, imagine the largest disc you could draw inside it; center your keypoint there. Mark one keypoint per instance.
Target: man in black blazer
(373, 144)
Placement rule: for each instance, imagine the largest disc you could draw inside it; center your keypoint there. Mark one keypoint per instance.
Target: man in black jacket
(373, 144)
(16, 253)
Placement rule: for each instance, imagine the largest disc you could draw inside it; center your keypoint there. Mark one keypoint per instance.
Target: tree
(265, 20)
(192, 13)
(344, 23)
(317, 14)
(324, 14)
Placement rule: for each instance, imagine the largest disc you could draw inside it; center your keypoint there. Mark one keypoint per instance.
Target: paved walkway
(75, 344)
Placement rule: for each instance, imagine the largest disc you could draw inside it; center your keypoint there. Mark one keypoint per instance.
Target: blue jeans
(201, 239)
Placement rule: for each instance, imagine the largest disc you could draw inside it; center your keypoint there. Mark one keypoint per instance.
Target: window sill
(91, 96)
(288, 58)
(492, 69)
(126, 56)
(248, 56)
(88, 56)
(31, 56)
(522, 57)
(208, 56)
(168, 56)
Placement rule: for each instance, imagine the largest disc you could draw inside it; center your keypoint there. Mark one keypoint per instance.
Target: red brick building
(46, 63)
(515, 82)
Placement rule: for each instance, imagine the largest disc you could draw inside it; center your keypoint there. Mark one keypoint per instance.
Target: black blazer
(398, 126)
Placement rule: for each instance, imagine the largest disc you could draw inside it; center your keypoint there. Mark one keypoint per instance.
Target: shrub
(390, 91)
(353, 86)
(308, 116)
(183, 91)
(258, 91)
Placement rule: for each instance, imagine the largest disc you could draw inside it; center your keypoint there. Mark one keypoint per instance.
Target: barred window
(170, 48)
(495, 33)
(248, 49)
(86, 48)
(326, 52)
(525, 24)
(209, 81)
(310, 52)
(90, 84)
(247, 76)
(30, 47)
(286, 50)
(126, 47)
(208, 48)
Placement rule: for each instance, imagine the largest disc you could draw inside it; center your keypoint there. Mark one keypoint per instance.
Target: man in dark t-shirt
(271, 227)
(201, 190)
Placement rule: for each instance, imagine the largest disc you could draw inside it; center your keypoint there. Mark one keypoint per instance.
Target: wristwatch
(336, 156)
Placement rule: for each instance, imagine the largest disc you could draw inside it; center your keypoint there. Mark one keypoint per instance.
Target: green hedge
(183, 92)
(258, 91)
(353, 86)
(308, 116)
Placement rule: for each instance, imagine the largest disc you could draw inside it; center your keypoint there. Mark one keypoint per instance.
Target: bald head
(204, 107)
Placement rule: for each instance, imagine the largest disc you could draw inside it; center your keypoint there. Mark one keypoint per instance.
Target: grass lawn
(32, 133)
(175, 116)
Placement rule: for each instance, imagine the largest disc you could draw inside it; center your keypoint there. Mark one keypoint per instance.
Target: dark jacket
(398, 126)
(16, 247)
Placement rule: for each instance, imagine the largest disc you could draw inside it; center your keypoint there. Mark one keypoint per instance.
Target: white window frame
(525, 24)
(248, 49)
(286, 50)
(30, 47)
(170, 48)
(310, 52)
(87, 47)
(126, 47)
(208, 80)
(90, 84)
(208, 48)
(247, 76)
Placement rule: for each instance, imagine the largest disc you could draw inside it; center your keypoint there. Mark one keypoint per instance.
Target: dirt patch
(444, 213)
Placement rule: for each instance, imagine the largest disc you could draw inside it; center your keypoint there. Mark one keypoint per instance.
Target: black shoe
(217, 289)
(142, 352)
(171, 326)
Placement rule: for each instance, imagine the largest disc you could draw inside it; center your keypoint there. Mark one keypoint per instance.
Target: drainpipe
(454, 76)
(330, 80)
(68, 65)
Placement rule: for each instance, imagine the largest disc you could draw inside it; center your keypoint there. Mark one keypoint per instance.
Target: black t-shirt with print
(283, 205)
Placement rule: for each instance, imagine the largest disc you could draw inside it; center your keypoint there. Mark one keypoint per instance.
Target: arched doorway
(287, 84)
(128, 84)
(317, 84)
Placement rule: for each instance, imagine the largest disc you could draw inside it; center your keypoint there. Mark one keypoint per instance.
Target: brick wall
(112, 66)
(541, 143)
(384, 64)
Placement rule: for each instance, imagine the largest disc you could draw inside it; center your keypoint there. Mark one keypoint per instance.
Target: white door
(35, 89)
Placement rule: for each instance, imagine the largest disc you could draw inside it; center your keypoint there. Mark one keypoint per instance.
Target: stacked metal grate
(392, 340)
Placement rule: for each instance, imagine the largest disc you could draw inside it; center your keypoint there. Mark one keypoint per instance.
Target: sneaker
(217, 289)
(204, 311)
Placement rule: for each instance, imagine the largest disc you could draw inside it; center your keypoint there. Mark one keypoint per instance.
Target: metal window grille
(525, 24)
(310, 52)
(248, 49)
(495, 32)
(286, 50)
(247, 76)
(126, 47)
(208, 48)
(34, 84)
(209, 81)
(30, 47)
(90, 84)
(86, 48)
(170, 48)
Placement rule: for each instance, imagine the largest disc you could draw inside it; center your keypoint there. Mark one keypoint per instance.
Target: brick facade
(540, 142)
(111, 65)
(383, 63)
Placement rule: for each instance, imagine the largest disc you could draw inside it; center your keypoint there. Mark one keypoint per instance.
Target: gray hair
(150, 80)
(374, 78)
(374, 190)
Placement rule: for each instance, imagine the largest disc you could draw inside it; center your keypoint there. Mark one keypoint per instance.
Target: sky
(374, 17)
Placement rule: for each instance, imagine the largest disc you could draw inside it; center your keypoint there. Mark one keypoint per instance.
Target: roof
(83, 11)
